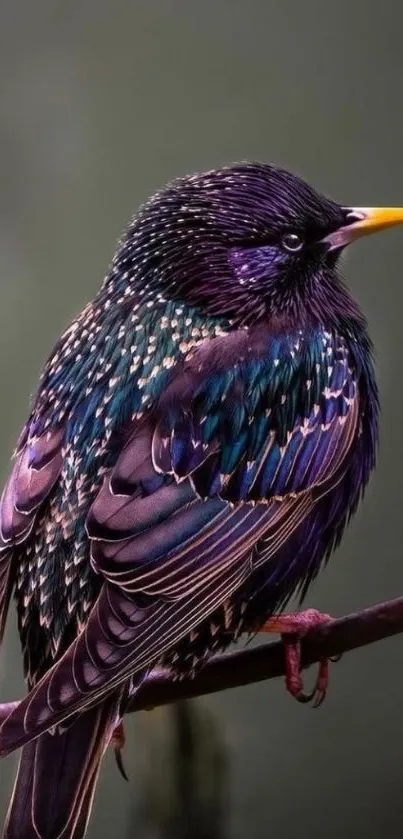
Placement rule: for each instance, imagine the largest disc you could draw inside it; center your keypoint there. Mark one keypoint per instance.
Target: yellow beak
(364, 220)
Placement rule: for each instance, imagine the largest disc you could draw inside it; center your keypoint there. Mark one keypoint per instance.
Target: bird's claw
(120, 764)
(292, 628)
(118, 742)
(294, 681)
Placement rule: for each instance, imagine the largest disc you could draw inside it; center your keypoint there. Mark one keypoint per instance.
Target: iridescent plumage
(201, 434)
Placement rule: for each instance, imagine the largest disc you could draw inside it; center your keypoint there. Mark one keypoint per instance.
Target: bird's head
(246, 242)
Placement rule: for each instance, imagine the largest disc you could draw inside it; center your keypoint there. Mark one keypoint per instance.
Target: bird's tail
(57, 775)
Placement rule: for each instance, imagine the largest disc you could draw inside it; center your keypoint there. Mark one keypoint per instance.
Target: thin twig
(256, 664)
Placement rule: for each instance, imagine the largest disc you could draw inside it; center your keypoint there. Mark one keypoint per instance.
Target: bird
(200, 437)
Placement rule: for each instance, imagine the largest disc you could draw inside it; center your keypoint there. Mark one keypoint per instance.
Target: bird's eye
(292, 242)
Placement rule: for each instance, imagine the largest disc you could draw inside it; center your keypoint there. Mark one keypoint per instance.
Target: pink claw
(292, 628)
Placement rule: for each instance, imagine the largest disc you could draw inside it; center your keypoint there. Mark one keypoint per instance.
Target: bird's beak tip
(364, 220)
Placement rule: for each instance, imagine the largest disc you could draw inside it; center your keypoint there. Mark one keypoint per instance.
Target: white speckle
(168, 362)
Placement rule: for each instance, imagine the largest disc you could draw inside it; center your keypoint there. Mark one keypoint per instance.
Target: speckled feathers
(201, 434)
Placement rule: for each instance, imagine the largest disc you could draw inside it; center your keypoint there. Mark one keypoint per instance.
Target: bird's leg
(118, 742)
(292, 628)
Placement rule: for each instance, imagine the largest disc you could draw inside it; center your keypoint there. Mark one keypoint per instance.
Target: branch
(266, 661)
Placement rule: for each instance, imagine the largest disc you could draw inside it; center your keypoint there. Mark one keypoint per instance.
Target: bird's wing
(231, 453)
(36, 469)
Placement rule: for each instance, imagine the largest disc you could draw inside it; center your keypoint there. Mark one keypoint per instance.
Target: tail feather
(57, 775)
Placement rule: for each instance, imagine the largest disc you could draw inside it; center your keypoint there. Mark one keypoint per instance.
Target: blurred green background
(102, 102)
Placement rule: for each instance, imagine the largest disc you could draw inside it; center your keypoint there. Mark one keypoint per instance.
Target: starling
(201, 435)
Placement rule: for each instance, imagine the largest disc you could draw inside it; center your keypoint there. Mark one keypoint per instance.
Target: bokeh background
(101, 103)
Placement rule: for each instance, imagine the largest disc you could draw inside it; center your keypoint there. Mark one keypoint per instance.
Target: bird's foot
(293, 628)
(118, 742)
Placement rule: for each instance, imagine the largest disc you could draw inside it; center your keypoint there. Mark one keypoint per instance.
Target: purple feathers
(201, 434)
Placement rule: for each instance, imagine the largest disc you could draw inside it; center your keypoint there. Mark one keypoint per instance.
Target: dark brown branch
(267, 661)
